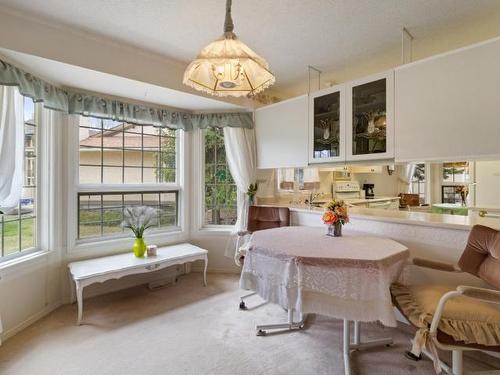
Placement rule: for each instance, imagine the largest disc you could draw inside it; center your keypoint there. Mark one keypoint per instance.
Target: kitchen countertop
(409, 217)
(370, 200)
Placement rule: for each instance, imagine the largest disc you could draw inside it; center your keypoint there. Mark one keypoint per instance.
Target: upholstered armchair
(464, 318)
(259, 218)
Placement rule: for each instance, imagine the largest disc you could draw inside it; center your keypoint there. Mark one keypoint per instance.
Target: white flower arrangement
(138, 219)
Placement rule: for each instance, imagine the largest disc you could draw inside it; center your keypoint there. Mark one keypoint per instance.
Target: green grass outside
(10, 232)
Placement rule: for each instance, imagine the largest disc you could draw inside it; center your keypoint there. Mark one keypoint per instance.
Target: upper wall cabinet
(370, 118)
(281, 134)
(327, 125)
(448, 106)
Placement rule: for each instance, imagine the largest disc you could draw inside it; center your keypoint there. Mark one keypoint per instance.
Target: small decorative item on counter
(334, 217)
(252, 190)
(138, 219)
(152, 250)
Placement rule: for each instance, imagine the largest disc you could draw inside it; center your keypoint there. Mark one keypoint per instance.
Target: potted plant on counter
(334, 217)
(138, 219)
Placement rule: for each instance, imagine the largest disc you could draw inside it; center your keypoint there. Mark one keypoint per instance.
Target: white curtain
(242, 161)
(11, 147)
(405, 174)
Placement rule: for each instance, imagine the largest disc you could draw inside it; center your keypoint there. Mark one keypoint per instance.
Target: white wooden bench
(86, 272)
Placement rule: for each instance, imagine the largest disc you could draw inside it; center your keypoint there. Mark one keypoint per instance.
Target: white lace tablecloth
(344, 277)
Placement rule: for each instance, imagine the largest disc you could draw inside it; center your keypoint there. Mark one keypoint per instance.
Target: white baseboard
(32, 319)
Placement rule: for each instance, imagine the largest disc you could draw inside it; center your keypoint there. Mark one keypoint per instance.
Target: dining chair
(259, 218)
(460, 319)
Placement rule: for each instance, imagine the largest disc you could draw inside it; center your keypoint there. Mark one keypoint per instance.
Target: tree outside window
(220, 189)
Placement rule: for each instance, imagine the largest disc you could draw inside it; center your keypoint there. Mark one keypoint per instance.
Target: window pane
(133, 158)
(90, 175)
(11, 234)
(132, 175)
(220, 190)
(150, 159)
(28, 231)
(102, 214)
(145, 154)
(150, 175)
(112, 175)
(29, 110)
(112, 157)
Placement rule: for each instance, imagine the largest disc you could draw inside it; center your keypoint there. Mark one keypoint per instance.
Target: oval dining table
(305, 271)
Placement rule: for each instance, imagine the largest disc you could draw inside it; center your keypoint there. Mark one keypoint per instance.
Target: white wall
(385, 185)
(488, 184)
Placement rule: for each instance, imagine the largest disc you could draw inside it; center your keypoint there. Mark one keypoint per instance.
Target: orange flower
(341, 211)
(329, 217)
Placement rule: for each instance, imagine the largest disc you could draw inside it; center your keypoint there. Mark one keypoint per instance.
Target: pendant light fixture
(228, 67)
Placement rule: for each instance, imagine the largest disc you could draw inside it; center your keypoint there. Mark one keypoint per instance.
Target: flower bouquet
(138, 219)
(334, 217)
(251, 192)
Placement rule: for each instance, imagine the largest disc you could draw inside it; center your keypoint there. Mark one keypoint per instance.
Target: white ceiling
(85, 79)
(290, 34)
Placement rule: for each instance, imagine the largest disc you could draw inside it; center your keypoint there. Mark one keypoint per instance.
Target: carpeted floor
(188, 329)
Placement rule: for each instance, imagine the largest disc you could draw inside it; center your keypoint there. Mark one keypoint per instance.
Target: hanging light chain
(228, 22)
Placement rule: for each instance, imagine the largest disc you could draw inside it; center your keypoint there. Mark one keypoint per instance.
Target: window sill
(108, 246)
(23, 260)
(215, 230)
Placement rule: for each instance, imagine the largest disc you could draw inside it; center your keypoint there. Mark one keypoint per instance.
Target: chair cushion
(464, 319)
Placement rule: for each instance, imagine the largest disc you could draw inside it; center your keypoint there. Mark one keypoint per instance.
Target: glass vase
(139, 247)
(337, 230)
(334, 230)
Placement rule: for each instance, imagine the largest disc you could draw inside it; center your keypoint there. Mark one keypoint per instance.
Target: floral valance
(94, 106)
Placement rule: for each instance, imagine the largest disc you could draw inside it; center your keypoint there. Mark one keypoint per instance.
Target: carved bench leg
(79, 299)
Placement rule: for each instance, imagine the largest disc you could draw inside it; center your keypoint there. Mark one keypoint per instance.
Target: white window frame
(44, 191)
(198, 208)
(116, 243)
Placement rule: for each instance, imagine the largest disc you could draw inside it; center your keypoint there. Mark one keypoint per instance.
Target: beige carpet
(188, 329)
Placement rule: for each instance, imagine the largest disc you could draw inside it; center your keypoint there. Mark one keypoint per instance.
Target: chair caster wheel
(412, 356)
(261, 333)
(243, 306)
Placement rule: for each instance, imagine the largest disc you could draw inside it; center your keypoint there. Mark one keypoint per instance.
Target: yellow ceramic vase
(139, 247)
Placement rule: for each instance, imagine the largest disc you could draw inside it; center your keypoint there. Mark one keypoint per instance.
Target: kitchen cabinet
(370, 118)
(281, 133)
(447, 106)
(327, 125)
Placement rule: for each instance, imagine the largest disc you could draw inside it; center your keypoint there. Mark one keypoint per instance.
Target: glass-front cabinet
(327, 125)
(370, 118)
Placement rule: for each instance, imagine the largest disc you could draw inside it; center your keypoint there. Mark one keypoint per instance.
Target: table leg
(357, 344)
(290, 325)
(205, 271)
(346, 346)
(71, 288)
(79, 299)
